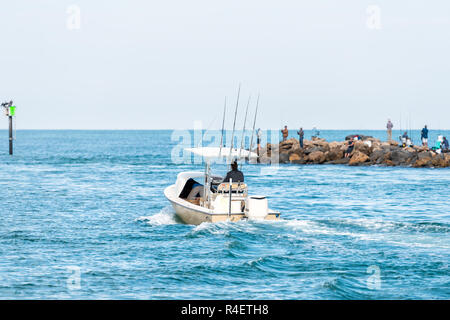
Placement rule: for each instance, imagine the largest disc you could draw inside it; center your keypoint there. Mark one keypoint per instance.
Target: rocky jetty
(367, 151)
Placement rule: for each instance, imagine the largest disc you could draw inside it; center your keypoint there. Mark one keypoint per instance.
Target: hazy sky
(165, 64)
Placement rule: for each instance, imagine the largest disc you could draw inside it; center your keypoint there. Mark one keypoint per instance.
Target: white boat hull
(190, 213)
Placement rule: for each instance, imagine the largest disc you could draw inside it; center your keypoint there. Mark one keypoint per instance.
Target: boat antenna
(243, 130)
(253, 130)
(223, 125)
(234, 122)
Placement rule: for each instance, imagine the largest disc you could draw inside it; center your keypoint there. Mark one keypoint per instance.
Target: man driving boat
(234, 174)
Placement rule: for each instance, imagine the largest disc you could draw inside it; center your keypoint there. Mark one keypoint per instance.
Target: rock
(386, 158)
(362, 147)
(368, 151)
(294, 157)
(447, 159)
(316, 157)
(314, 149)
(377, 154)
(289, 144)
(424, 162)
(334, 154)
(439, 161)
(321, 143)
(307, 143)
(340, 161)
(358, 158)
(301, 161)
(335, 144)
(401, 157)
(283, 158)
(420, 148)
(393, 143)
(425, 155)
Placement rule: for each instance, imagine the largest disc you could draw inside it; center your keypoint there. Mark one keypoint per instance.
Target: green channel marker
(12, 110)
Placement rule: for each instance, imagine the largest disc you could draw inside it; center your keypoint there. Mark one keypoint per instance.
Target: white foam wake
(164, 217)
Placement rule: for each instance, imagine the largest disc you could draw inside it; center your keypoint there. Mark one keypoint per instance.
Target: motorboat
(199, 197)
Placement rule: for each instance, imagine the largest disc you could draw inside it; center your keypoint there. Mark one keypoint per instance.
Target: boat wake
(165, 217)
(395, 233)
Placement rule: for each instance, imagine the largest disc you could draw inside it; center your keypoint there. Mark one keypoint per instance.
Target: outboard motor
(257, 208)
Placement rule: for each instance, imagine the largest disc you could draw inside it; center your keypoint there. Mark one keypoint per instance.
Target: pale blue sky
(165, 64)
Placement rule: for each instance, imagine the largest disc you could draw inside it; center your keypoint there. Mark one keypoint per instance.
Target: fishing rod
(253, 130)
(234, 122)
(243, 130)
(206, 131)
(410, 130)
(223, 126)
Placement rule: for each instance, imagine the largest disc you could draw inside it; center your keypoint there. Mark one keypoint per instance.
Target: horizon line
(205, 129)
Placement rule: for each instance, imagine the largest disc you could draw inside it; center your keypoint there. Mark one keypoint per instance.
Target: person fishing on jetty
(258, 140)
(389, 127)
(301, 134)
(424, 136)
(285, 133)
(444, 145)
(405, 139)
(235, 175)
(351, 145)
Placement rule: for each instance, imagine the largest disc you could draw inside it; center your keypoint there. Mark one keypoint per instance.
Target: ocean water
(83, 216)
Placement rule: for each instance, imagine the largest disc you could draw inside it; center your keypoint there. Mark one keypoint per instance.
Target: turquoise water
(89, 206)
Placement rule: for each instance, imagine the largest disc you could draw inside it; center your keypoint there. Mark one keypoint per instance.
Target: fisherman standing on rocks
(258, 140)
(301, 134)
(444, 145)
(285, 133)
(424, 136)
(389, 127)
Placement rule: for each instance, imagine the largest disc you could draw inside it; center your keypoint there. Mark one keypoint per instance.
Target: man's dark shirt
(425, 133)
(235, 175)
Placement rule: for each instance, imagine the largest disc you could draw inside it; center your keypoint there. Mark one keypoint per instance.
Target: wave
(390, 226)
(374, 230)
(165, 217)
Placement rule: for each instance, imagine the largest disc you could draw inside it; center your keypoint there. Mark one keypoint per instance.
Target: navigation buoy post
(10, 112)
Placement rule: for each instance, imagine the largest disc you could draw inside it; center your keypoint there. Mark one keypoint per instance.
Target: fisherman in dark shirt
(234, 174)
(444, 145)
(424, 136)
(301, 134)
(351, 145)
